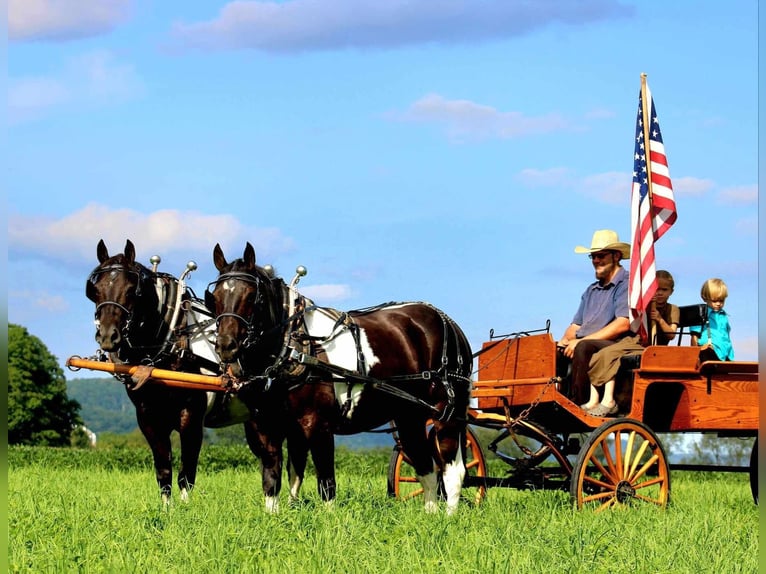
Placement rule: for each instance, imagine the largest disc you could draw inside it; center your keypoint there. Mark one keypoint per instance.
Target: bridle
(141, 274)
(253, 335)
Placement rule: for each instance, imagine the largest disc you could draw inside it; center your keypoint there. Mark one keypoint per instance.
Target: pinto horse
(134, 311)
(311, 372)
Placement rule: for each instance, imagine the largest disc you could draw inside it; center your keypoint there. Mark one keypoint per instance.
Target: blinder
(95, 277)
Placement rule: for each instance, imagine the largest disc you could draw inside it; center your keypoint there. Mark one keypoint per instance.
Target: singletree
(39, 411)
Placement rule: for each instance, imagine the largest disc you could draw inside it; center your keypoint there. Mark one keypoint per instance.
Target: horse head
(247, 303)
(123, 293)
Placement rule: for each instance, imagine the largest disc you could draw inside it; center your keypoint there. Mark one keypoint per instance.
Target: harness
(297, 360)
(167, 334)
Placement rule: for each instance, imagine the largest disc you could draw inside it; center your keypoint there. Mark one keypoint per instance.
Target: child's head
(714, 293)
(665, 286)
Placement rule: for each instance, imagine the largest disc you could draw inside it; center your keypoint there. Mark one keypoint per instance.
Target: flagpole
(647, 121)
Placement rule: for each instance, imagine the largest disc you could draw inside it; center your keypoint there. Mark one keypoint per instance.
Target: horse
(310, 372)
(139, 321)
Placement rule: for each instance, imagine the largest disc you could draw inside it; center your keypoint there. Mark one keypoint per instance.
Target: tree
(39, 411)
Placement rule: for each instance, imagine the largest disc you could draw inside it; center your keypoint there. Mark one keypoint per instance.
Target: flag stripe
(653, 212)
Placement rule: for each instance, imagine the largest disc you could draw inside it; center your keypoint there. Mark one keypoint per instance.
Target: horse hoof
(272, 505)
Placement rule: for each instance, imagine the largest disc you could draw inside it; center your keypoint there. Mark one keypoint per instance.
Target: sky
(449, 151)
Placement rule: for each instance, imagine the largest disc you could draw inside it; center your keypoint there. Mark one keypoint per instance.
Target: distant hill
(105, 405)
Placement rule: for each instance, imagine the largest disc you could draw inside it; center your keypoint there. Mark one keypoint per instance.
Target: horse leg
(297, 455)
(451, 455)
(159, 443)
(418, 449)
(191, 433)
(268, 448)
(322, 444)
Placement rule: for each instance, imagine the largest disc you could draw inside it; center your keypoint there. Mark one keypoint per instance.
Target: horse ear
(101, 251)
(218, 257)
(249, 255)
(130, 251)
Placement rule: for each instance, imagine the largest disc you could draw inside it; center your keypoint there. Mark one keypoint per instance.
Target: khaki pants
(605, 363)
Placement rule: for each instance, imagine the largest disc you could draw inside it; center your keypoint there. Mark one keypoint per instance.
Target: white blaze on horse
(310, 372)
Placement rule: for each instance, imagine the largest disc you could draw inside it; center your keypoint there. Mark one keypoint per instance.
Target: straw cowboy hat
(605, 240)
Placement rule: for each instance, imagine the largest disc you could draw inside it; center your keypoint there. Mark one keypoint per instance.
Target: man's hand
(567, 347)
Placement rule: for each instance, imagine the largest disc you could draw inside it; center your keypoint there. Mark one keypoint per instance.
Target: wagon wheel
(403, 483)
(622, 462)
(754, 471)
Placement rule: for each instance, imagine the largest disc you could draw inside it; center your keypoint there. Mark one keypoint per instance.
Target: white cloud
(464, 119)
(29, 97)
(301, 25)
(323, 294)
(61, 20)
(692, 186)
(38, 300)
(739, 195)
(74, 237)
(93, 79)
(613, 187)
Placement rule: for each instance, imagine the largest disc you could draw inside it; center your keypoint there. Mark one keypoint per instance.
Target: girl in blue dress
(714, 337)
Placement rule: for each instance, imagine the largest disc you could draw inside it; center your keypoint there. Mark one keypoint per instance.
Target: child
(714, 336)
(664, 316)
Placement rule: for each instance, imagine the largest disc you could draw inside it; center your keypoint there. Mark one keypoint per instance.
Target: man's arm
(618, 327)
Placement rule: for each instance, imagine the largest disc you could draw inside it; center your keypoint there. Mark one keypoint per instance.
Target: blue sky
(451, 151)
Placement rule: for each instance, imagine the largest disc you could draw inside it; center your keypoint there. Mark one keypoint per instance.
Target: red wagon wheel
(403, 483)
(623, 462)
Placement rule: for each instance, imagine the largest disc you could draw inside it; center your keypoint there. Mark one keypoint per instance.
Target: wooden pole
(645, 97)
(158, 376)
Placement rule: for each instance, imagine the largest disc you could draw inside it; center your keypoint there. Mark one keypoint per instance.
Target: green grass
(66, 515)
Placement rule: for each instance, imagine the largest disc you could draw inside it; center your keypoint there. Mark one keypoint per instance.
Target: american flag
(652, 211)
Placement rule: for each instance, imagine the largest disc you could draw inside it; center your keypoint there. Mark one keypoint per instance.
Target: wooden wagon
(600, 461)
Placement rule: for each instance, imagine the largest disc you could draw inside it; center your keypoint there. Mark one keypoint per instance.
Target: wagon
(602, 462)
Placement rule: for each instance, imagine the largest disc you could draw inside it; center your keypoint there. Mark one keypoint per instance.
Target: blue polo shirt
(602, 304)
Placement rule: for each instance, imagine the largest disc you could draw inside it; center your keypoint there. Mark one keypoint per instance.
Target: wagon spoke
(637, 459)
(608, 504)
(599, 496)
(648, 483)
(415, 493)
(618, 450)
(599, 483)
(472, 464)
(613, 477)
(634, 476)
(649, 499)
(628, 452)
(610, 463)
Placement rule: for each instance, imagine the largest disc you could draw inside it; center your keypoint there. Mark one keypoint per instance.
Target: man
(603, 317)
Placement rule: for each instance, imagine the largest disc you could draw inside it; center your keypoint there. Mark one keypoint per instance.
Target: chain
(525, 413)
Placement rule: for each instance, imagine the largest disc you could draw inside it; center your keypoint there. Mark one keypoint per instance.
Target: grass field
(99, 511)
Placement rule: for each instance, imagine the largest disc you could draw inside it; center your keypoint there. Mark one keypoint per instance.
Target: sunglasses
(600, 254)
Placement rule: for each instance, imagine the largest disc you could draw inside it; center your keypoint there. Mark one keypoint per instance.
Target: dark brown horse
(135, 310)
(311, 372)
